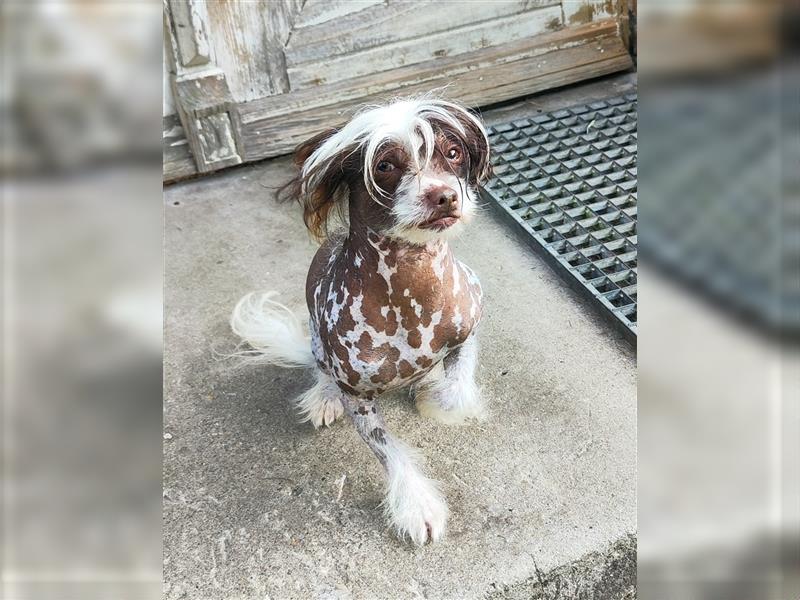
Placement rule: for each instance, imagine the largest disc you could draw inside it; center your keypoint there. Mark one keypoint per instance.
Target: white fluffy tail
(275, 333)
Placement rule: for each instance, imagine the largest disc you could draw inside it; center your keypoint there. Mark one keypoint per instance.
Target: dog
(390, 305)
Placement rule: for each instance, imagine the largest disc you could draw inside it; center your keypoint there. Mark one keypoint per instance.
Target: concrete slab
(258, 505)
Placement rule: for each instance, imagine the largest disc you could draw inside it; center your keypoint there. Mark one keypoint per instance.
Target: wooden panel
(203, 103)
(437, 45)
(189, 31)
(167, 104)
(248, 40)
(432, 74)
(321, 11)
(580, 12)
(177, 159)
(333, 34)
(203, 94)
(200, 93)
(274, 126)
(217, 141)
(252, 78)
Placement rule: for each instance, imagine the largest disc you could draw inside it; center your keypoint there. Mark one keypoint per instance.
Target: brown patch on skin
(406, 369)
(341, 353)
(388, 369)
(364, 345)
(346, 388)
(391, 323)
(414, 338)
(424, 362)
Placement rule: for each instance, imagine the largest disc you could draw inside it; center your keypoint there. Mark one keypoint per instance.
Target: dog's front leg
(449, 393)
(413, 503)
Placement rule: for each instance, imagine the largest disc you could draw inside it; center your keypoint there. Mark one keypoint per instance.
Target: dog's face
(427, 200)
(410, 170)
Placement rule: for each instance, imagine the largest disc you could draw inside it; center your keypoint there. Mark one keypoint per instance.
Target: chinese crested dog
(390, 305)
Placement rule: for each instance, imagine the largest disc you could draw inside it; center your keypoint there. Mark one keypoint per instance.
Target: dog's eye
(385, 166)
(454, 154)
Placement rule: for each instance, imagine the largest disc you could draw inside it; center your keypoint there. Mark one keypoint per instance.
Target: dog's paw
(326, 412)
(320, 407)
(416, 509)
(451, 404)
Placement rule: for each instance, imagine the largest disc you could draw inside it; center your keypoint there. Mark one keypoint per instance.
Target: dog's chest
(383, 317)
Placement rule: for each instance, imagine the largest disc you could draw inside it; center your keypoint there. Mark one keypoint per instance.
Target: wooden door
(250, 79)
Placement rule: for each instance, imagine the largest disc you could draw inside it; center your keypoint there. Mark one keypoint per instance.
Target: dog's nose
(442, 197)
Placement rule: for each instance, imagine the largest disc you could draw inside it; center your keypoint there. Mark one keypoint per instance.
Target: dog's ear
(321, 185)
(307, 148)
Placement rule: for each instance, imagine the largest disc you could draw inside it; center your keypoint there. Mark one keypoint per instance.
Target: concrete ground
(257, 505)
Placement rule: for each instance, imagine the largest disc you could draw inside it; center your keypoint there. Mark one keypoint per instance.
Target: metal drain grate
(568, 181)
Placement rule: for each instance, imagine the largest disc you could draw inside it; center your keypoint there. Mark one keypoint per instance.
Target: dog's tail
(275, 333)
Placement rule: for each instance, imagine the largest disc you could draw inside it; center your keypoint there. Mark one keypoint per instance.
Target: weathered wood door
(249, 79)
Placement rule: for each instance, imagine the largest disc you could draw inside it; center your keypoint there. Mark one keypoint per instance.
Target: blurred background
(85, 124)
(81, 178)
(719, 382)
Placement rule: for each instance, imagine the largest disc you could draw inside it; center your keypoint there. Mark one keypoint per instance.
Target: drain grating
(568, 181)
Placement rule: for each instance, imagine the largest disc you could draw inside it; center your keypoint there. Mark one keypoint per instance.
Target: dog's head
(410, 170)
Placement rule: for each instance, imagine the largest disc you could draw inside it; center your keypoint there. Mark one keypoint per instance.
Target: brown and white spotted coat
(383, 312)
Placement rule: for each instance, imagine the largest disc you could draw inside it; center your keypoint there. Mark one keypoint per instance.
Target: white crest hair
(408, 122)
